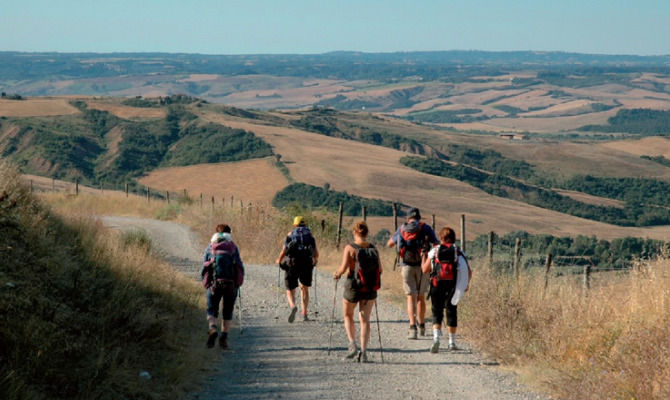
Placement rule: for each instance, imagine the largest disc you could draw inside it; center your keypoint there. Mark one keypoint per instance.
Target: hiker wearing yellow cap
(301, 255)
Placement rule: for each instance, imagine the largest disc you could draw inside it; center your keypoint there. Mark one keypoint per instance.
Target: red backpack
(445, 263)
(411, 243)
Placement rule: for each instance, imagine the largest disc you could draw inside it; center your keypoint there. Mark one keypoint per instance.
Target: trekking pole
(379, 333)
(316, 292)
(332, 318)
(239, 309)
(278, 290)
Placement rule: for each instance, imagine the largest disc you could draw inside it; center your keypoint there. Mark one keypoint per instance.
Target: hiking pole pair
(332, 318)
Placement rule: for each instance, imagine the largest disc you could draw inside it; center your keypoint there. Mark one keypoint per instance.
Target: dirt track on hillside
(270, 358)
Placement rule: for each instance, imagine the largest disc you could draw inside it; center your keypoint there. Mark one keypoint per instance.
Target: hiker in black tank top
(362, 265)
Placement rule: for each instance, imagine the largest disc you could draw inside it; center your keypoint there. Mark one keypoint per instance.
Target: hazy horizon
(602, 27)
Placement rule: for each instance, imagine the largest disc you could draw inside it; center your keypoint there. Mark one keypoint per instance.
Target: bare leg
(348, 311)
(290, 295)
(411, 308)
(364, 311)
(421, 309)
(304, 298)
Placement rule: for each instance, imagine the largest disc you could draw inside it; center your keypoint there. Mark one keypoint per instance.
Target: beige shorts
(414, 281)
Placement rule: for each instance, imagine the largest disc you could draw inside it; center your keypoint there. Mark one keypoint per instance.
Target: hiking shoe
(353, 351)
(291, 316)
(305, 318)
(223, 342)
(452, 346)
(412, 333)
(435, 348)
(212, 337)
(363, 357)
(422, 330)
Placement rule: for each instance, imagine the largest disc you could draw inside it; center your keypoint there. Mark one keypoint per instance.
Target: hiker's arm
(281, 254)
(425, 263)
(346, 260)
(315, 256)
(392, 239)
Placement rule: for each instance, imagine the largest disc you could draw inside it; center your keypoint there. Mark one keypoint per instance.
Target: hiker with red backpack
(363, 266)
(222, 275)
(445, 262)
(301, 257)
(413, 239)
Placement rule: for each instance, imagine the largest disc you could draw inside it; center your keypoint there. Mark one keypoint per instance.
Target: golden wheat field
(36, 107)
(127, 112)
(252, 181)
(375, 172)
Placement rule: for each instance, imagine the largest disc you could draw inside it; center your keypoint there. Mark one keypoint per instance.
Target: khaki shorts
(414, 281)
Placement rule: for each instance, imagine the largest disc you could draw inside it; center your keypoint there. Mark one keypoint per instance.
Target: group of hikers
(432, 266)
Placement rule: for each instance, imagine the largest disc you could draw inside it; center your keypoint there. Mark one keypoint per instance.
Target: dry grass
(254, 181)
(36, 107)
(650, 146)
(127, 112)
(611, 343)
(86, 313)
(375, 172)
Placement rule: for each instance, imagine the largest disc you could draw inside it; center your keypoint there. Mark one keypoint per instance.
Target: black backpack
(367, 274)
(300, 246)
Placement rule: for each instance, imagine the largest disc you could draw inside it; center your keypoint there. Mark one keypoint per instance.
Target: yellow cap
(297, 220)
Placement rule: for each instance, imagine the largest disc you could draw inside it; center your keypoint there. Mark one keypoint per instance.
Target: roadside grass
(82, 311)
(609, 342)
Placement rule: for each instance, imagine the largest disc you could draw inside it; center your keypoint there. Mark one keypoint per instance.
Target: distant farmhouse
(512, 136)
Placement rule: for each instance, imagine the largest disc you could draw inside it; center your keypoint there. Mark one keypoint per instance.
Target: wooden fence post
(200, 200)
(126, 190)
(53, 184)
(31, 186)
(167, 196)
(490, 249)
(433, 223)
(587, 278)
(232, 199)
(185, 194)
(547, 268)
(517, 257)
(102, 187)
(212, 203)
(76, 186)
(365, 213)
(463, 232)
(339, 225)
(148, 194)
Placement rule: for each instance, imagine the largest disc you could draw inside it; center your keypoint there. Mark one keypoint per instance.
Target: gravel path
(270, 358)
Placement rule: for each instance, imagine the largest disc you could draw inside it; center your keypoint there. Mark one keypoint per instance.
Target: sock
(452, 338)
(436, 335)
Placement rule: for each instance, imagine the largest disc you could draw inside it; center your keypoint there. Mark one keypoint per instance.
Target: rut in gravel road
(269, 358)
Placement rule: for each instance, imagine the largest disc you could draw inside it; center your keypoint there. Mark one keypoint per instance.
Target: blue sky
(312, 26)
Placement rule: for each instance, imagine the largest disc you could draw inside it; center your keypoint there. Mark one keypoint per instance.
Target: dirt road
(270, 358)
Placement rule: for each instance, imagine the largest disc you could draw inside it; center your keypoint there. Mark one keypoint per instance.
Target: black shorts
(440, 298)
(295, 274)
(354, 296)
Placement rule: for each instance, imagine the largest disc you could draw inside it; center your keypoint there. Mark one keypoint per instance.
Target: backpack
(300, 246)
(411, 243)
(224, 263)
(444, 263)
(366, 276)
